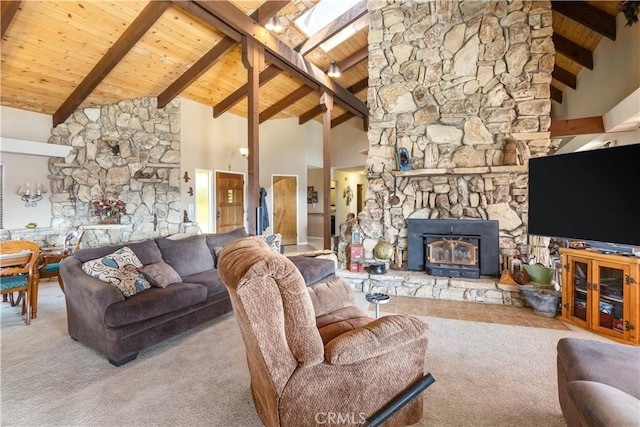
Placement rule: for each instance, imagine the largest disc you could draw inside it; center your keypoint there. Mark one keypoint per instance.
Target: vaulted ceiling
(61, 55)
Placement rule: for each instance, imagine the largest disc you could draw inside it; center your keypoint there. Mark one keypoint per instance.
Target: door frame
(270, 199)
(245, 216)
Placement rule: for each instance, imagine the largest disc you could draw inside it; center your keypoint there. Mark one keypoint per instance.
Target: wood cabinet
(600, 293)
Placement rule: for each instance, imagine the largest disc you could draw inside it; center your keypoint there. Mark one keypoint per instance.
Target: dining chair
(19, 270)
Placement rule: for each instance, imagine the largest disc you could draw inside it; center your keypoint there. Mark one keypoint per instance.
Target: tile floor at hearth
(476, 312)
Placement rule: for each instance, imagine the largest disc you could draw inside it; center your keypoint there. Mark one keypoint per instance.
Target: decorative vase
(110, 218)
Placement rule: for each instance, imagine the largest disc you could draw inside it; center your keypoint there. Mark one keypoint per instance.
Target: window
(325, 12)
(204, 202)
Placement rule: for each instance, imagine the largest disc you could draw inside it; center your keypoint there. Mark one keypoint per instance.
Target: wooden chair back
(19, 258)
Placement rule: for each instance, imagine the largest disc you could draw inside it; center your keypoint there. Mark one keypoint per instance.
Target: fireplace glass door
(451, 255)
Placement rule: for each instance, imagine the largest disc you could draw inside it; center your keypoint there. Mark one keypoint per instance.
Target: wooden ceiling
(61, 55)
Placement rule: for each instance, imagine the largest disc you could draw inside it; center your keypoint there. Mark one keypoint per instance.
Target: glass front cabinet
(600, 293)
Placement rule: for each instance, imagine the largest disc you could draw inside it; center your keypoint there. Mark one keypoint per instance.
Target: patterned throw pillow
(160, 274)
(273, 240)
(119, 269)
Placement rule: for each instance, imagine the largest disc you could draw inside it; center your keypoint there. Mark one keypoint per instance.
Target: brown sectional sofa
(99, 316)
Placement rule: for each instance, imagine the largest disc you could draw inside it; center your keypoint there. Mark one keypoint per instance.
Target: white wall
(615, 75)
(347, 140)
(21, 168)
(343, 180)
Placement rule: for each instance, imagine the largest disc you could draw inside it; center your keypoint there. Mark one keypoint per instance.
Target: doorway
(285, 208)
(229, 201)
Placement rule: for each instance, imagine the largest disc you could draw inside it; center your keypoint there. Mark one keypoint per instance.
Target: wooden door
(285, 208)
(229, 201)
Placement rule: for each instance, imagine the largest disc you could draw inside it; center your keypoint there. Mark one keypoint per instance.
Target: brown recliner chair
(314, 356)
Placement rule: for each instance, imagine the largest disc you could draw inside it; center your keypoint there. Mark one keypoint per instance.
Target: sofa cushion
(314, 270)
(210, 279)
(160, 274)
(120, 269)
(146, 251)
(187, 256)
(218, 240)
(153, 303)
(600, 405)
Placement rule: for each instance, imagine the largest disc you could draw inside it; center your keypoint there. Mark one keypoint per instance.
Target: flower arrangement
(109, 207)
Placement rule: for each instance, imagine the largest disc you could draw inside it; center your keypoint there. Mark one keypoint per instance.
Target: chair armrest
(379, 337)
(601, 405)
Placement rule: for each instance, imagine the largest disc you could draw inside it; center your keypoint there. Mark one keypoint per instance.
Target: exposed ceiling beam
(267, 10)
(563, 76)
(573, 127)
(587, 15)
(239, 94)
(556, 94)
(279, 54)
(341, 119)
(573, 51)
(285, 102)
(317, 110)
(149, 15)
(197, 11)
(359, 86)
(353, 59)
(333, 28)
(7, 12)
(195, 71)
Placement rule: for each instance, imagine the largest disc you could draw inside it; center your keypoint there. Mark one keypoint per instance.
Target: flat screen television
(591, 195)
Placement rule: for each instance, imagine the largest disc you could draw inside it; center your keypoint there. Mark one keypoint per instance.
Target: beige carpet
(486, 375)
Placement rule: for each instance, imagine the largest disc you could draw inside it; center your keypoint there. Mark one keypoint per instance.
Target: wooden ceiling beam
(563, 76)
(573, 127)
(239, 94)
(556, 94)
(195, 71)
(149, 15)
(285, 102)
(353, 59)
(282, 55)
(203, 15)
(7, 12)
(573, 51)
(317, 110)
(587, 15)
(333, 28)
(267, 10)
(341, 119)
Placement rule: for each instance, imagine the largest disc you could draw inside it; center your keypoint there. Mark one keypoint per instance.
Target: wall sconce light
(273, 24)
(29, 196)
(244, 152)
(333, 71)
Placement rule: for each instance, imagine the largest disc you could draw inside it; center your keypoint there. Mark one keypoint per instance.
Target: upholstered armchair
(314, 356)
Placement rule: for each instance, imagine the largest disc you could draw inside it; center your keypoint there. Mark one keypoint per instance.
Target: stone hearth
(421, 285)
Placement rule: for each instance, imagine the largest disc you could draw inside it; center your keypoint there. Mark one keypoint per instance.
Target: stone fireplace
(453, 248)
(450, 82)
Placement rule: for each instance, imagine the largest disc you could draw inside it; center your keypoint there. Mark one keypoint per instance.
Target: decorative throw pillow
(120, 269)
(273, 240)
(160, 274)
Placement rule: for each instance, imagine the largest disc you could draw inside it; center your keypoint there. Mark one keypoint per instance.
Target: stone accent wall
(131, 149)
(450, 81)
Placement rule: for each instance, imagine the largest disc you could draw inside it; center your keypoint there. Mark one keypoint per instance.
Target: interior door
(229, 201)
(285, 208)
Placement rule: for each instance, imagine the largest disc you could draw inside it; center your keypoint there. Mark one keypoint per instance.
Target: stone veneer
(132, 149)
(450, 81)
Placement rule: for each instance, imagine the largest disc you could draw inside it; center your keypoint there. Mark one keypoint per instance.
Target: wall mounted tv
(591, 195)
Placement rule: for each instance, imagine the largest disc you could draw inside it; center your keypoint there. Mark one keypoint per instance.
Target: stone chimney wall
(131, 149)
(450, 81)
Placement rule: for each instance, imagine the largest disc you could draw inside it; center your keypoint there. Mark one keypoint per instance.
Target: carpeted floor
(487, 374)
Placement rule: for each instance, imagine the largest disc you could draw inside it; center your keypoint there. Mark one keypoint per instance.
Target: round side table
(377, 298)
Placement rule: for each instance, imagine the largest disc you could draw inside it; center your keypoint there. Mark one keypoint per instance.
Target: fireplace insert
(456, 234)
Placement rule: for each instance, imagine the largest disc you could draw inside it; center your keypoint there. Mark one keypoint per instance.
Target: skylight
(322, 14)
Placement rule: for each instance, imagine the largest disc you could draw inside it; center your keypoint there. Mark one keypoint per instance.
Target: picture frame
(312, 195)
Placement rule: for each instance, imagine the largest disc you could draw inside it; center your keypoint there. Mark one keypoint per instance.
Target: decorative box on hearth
(355, 255)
